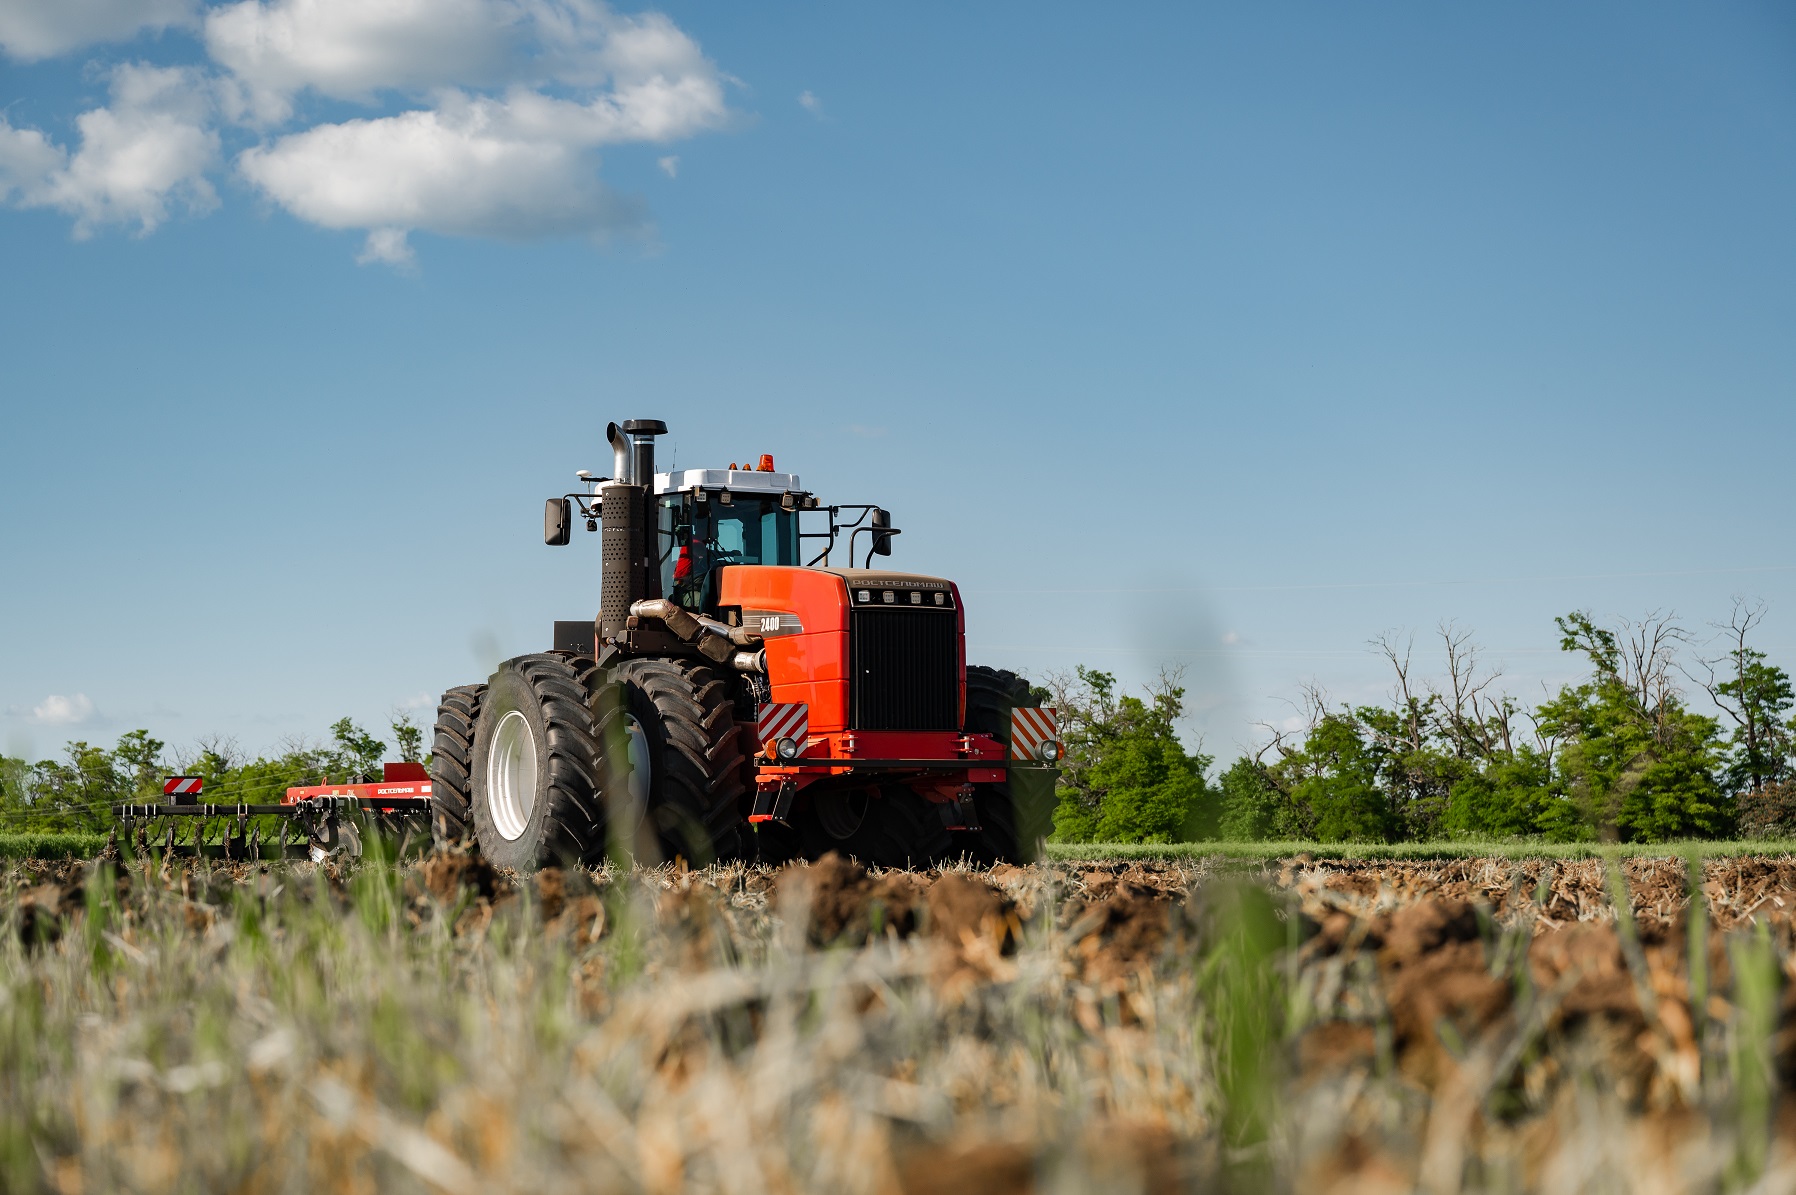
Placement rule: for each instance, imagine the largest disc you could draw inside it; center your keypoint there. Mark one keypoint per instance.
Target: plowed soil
(1306, 1025)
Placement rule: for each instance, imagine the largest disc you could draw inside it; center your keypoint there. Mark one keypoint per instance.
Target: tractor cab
(706, 519)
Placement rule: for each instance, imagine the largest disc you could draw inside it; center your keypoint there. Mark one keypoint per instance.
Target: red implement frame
(401, 787)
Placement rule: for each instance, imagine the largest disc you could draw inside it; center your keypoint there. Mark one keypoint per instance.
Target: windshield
(697, 539)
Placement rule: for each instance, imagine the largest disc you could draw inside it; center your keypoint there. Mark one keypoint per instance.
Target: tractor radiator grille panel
(905, 672)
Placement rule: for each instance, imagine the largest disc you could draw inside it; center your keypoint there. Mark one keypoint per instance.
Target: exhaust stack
(621, 464)
(633, 450)
(627, 507)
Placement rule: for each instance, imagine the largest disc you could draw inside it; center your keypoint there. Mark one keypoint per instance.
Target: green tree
(138, 759)
(407, 738)
(1335, 779)
(1250, 806)
(1757, 698)
(218, 758)
(1154, 789)
(1635, 764)
(15, 785)
(264, 780)
(78, 790)
(74, 792)
(1508, 795)
(1412, 766)
(1126, 776)
(1450, 756)
(357, 753)
(1087, 705)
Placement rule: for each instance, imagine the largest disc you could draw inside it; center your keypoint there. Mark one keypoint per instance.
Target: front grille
(905, 674)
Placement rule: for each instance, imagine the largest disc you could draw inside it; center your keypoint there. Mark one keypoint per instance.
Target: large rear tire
(887, 825)
(537, 774)
(675, 719)
(1015, 816)
(451, 765)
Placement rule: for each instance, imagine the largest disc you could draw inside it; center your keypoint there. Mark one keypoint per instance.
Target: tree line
(77, 791)
(1621, 755)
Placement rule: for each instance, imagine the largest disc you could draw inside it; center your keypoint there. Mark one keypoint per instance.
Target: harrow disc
(317, 828)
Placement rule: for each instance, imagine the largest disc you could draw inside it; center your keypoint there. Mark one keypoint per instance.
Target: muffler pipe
(633, 450)
(623, 461)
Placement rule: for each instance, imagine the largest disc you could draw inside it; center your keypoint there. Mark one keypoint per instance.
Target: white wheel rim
(511, 776)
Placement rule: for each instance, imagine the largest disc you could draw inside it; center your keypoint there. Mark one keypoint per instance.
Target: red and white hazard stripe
(182, 786)
(1030, 727)
(790, 720)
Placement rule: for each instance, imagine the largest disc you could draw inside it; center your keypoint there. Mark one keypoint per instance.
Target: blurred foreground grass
(1362, 1026)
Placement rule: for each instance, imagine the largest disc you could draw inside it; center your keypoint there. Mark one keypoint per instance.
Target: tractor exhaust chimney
(642, 433)
(627, 507)
(621, 464)
(633, 450)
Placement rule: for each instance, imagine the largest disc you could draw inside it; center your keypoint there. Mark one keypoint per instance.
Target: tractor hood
(878, 587)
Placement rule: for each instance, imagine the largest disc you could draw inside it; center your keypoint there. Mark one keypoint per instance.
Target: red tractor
(735, 699)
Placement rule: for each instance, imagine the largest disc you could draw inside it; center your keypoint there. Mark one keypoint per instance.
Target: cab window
(696, 540)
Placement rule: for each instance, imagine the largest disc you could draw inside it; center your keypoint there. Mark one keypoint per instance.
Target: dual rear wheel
(554, 761)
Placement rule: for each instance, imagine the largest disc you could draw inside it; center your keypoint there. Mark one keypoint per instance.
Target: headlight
(1048, 751)
(786, 748)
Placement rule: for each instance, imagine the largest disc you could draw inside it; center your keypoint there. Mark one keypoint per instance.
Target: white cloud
(513, 99)
(63, 711)
(149, 148)
(42, 28)
(518, 165)
(27, 160)
(387, 245)
(1230, 638)
(670, 165)
(471, 169)
(354, 49)
(810, 103)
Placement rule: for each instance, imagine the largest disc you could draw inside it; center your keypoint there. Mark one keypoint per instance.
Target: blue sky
(1224, 338)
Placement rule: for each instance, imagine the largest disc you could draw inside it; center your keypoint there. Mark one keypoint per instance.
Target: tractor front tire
(886, 826)
(451, 765)
(1017, 814)
(675, 720)
(537, 772)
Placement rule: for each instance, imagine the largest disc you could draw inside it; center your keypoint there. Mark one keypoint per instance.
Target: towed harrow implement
(326, 819)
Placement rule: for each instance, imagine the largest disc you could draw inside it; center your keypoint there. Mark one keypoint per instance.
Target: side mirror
(882, 534)
(558, 521)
